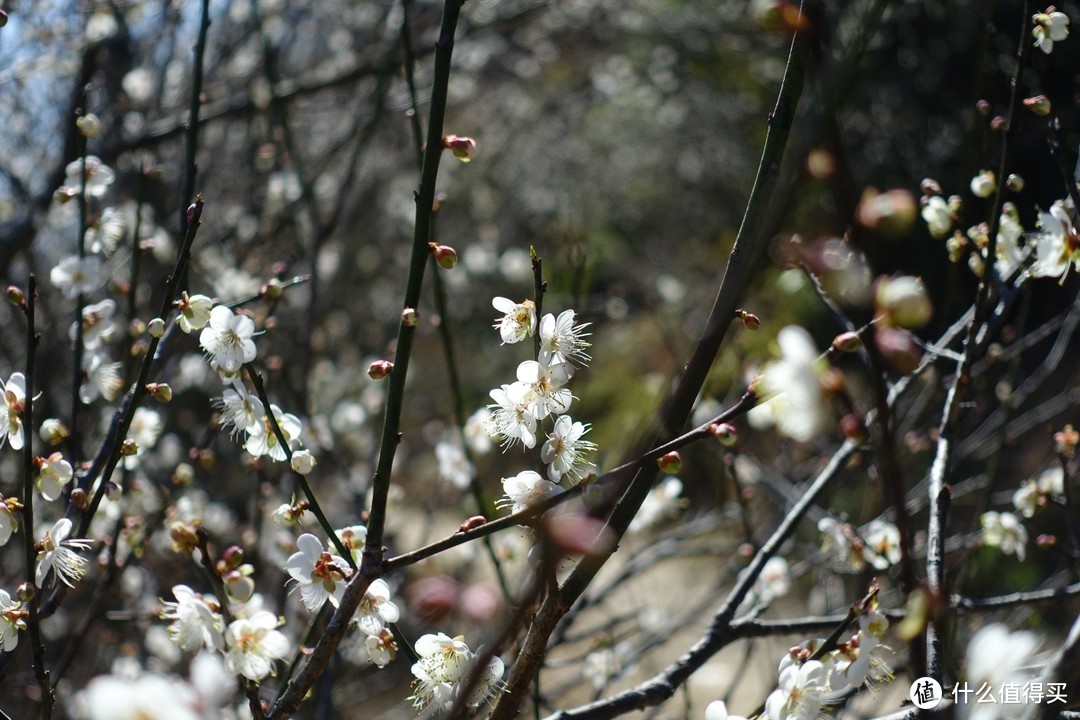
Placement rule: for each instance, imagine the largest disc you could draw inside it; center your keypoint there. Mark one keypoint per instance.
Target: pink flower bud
(464, 148)
(380, 369)
(725, 433)
(445, 255)
(670, 463)
(1040, 105)
(847, 342)
(409, 317)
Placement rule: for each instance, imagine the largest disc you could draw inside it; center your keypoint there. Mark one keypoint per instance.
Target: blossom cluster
(540, 393)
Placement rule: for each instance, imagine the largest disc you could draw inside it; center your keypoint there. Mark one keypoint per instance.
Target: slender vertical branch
(372, 565)
(33, 624)
(74, 450)
(425, 201)
(937, 487)
(191, 168)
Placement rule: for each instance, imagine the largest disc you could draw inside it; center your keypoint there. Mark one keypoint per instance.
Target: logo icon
(926, 693)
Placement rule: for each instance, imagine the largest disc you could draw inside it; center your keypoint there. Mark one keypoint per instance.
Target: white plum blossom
(353, 538)
(12, 620)
(227, 338)
(145, 429)
(1005, 532)
(1057, 246)
(254, 643)
(57, 552)
(11, 425)
(147, 696)
(996, 658)
(475, 431)
(525, 489)
(54, 473)
(105, 236)
(1036, 493)
(381, 648)
(565, 450)
(1010, 255)
(8, 522)
(454, 466)
(546, 393)
(376, 611)
(262, 440)
(442, 666)
(793, 398)
(938, 216)
(774, 581)
(882, 544)
(195, 311)
(196, 624)
(320, 575)
(512, 415)
(302, 461)
(98, 176)
(860, 660)
(518, 321)
(101, 378)
(801, 691)
(98, 324)
(75, 276)
(241, 411)
(561, 341)
(1050, 27)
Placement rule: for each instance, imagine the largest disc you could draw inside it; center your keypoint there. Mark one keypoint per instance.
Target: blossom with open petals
(254, 644)
(525, 489)
(562, 340)
(376, 610)
(1057, 245)
(14, 394)
(59, 553)
(227, 338)
(76, 276)
(320, 575)
(565, 450)
(12, 620)
(1005, 532)
(512, 415)
(54, 473)
(195, 622)
(794, 400)
(995, 658)
(518, 320)
(1050, 27)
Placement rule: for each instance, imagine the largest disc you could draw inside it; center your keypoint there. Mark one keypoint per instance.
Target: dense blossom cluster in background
(240, 477)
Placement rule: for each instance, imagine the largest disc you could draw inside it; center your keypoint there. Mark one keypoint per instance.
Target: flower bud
(302, 461)
(725, 433)
(847, 342)
(472, 523)
(984, 184)
(25, 592)
(1066, 441)
(464, 148)
(239, 587)
(113, 491)
(1040, 105)
(53, 432)
(3, 18)
(159, 391)
(15, 296)
(998, 123)
(852, 427)
(1014, 183)
(184, 474)
(904, 300)
(156, 328)
(1046, 540)
(750, 321)
(89, 125)
(445, 255)
(232, 558)
(380, 369)
(409, 317)
(983, 107)
(670, 463)
(78, 498)
(271, 289)
(129, 448)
